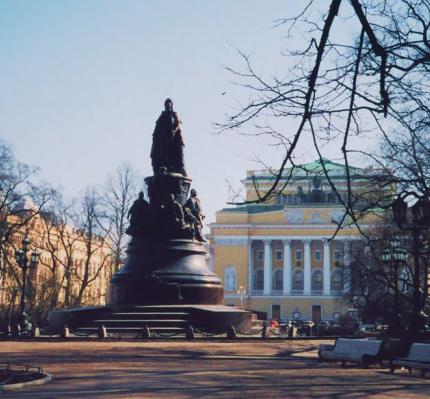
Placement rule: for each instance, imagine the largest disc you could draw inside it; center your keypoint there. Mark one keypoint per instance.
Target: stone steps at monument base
(113, 329)
(154, 317)
(213, 318)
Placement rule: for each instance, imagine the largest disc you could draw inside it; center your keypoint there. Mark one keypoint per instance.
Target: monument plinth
(170, 272)
(166, 258)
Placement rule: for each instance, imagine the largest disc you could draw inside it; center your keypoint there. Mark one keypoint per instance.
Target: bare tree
(374, 82)
(96, 256)
(22, 199)
(60, 240)
(375, 283)
(120, 190)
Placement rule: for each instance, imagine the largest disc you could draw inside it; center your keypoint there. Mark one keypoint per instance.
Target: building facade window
(317, 255)
(299, 254)
(259, 280)
(230, 278)
(259, 254)
(278, 254)
(277, 282)
(317, 280)
(337, 255)
(337, 280)
(276, 312)
(297, 280)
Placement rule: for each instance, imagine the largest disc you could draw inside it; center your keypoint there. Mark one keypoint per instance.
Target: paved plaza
(201, 369)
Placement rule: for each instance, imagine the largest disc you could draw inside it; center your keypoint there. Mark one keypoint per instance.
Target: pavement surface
(201, 369)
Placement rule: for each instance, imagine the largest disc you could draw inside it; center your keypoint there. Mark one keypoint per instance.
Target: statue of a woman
(167, 151)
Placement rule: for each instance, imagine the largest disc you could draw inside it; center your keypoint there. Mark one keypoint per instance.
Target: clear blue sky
(82, 83)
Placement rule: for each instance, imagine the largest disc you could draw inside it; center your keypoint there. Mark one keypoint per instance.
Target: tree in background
(339, 87)
(375, 283)
(119, 191)
(96, 252)
(406, 154)
(22, 200)
(60, 240)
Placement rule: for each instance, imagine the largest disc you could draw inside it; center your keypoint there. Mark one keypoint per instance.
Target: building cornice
(246, 226)
(242, 240)
(280, 296)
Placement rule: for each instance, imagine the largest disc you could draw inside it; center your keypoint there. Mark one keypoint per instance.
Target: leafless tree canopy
(374, 82)
(22, 199)
(120, 190)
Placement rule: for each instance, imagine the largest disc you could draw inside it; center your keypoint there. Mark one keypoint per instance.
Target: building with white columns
(284, 258)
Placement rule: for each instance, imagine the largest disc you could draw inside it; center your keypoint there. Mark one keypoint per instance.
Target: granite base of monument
(158, 318)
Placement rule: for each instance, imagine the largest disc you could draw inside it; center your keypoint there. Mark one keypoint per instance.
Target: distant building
(281, 252)
(68, 259)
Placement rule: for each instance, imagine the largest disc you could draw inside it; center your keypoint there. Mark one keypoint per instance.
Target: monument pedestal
(171, 272)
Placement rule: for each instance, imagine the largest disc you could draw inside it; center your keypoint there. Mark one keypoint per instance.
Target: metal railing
(21, 367)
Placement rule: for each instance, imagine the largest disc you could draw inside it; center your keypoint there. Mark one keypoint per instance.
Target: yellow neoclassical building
(280, 257)
(70, 262)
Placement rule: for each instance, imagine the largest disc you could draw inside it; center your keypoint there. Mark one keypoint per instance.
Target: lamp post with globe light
(395, 256)
(3, 231)
(25, 261)
(417, 220)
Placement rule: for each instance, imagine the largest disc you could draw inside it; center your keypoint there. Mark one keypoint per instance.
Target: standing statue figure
(172, 215)
(138, 215)
(167, 152)
(193, 211)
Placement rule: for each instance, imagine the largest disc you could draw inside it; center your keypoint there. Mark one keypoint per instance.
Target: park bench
(417, 358)
(362, 351)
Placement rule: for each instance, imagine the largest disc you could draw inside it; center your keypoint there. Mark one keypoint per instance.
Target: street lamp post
(394, 257)
(3, 230)
(25, 263)
(420, 221)
(241, 292)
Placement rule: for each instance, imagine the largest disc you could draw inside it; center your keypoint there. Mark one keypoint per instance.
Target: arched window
(259, 280)
(317, 280)
(297, 281)
(230, 278)
(277, 282)
(336, 280)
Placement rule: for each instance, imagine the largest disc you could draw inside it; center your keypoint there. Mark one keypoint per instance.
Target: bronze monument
(165, 270)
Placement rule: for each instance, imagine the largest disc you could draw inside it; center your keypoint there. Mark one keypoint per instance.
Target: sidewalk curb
(39, 381)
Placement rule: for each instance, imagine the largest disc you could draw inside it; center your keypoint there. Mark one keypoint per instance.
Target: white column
(326, 267)
(347, 265)
(307, 267)
(287, 268)
(267, 267)
(250, 266)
